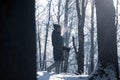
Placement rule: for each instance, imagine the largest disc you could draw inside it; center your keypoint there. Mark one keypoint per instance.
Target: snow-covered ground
(44, 75)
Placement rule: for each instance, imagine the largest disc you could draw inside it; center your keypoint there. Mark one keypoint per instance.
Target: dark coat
(57, 43)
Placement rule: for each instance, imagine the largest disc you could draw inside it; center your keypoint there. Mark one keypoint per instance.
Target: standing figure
(58, 47)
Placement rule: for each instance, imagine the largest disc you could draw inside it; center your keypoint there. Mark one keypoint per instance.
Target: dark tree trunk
(81, 19)
(65, 37)
(79, 60)
(66, 55)
(39, 46)
(92, 38)
(107, 47)
(17, 31)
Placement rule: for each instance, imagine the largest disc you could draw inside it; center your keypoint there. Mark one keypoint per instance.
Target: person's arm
(66, 48)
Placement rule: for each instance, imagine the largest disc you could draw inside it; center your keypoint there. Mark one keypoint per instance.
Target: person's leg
(61, 66)
(52, 66)
(57, 68)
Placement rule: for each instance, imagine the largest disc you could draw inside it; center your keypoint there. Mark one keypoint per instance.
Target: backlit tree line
(90, 27)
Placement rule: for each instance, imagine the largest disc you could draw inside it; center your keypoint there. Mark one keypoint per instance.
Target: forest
(91, 28)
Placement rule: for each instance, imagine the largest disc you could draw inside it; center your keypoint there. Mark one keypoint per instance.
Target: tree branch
(73, 39)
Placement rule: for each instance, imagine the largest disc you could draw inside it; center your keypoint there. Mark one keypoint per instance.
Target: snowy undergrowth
(103, 74)
(98, 74)
(44, 75)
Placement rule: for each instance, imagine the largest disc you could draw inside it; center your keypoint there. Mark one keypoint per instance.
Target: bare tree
(66, 23)
(59, 15)
(106, 33)
(38, 39)
(81, 20)
(92, 37)
(46, 37)
(38, 36)
(117, 13)
(65, 37)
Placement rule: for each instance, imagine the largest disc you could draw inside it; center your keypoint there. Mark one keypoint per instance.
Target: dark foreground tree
(17, 40)
(107, 46)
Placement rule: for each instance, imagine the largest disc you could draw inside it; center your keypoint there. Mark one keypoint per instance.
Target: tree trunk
(46, 37)
(65, 37)
(116, 13)
(107, 47)
(58, 16)
(81, 19)
(92, 38)
(18, 42)
(39, 42)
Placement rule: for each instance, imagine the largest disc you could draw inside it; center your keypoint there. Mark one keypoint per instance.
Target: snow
(44, 75)
(99, 73)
